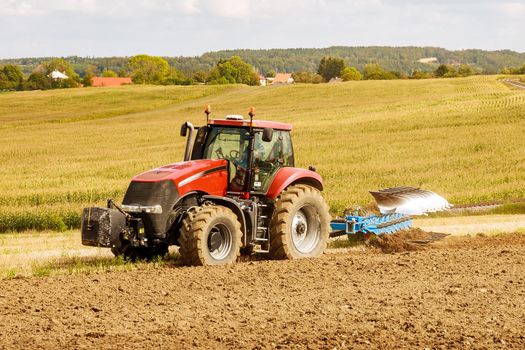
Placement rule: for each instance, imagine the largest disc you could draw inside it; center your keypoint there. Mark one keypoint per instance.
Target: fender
(235, 207)
(289, 176)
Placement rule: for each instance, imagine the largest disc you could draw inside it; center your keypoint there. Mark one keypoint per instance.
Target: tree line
(335, 67)
(144, 69)
(399, 59)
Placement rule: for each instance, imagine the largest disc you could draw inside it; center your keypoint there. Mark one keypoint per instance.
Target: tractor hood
(186, 175)
(183, 172)
(155, 192)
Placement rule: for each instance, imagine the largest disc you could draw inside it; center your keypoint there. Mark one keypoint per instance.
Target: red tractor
(237, 191)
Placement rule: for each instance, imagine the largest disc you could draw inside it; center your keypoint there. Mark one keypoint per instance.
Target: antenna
(251, 113)
(207, 110)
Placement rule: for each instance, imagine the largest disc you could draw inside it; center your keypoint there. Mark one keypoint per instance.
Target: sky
(36, 28)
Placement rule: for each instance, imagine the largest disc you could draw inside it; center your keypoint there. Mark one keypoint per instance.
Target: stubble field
(63, 150)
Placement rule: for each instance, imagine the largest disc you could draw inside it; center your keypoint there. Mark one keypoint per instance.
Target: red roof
(106, 81)
(256, 123)
(282, 78)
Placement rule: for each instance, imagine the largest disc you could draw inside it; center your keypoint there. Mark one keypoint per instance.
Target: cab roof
(256, 123)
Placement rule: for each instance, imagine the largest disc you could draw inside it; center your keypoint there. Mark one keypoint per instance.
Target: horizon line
(263, 49)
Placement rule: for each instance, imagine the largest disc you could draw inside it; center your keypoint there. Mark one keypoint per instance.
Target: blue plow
(396, 206)
(378, 225)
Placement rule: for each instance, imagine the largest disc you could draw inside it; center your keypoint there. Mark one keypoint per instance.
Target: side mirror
(267, 134)
(184, 129)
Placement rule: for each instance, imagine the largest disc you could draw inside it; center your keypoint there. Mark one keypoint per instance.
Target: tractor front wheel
(300, 224)
(210, 235)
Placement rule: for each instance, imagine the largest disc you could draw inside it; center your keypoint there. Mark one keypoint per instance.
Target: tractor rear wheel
(210, 235)
(300, 224)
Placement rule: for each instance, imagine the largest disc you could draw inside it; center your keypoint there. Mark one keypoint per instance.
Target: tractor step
(262, 245)
(261, 250)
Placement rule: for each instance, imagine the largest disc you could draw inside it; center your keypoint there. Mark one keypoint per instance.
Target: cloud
(220, 8)
(16, 8)
(188, 7)
(189, 27)
(513, 9)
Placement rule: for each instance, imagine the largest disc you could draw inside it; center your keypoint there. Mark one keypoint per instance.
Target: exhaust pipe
(189, 142)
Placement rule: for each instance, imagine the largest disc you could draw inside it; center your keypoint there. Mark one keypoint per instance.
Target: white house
(428, 60)
(56, 75)
(262, 80)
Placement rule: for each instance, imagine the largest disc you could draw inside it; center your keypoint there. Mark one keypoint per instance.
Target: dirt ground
(458, 293)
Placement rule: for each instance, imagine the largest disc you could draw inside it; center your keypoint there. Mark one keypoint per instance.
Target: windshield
(228, 143)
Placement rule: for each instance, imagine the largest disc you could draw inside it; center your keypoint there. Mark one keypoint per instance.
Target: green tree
(421, 75)
(108, 73)
(5, 84)
(90, 70)
(124, 72)
(38, 81)
(233, 71)
(443, 70)
(350, 73)
(465, 70)
(374, 71)
(89, 73)
(175, 77)
(201, 76)
(11, 77)
(518, 70)
(307, 77)
(451, 74)
(330, 67)
(87, 80)
(148, 69)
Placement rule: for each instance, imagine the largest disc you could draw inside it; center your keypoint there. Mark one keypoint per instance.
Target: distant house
(282, 78)
(262, 80)
(428, 60)
(110, 81)
(335, 80)
(56, 75)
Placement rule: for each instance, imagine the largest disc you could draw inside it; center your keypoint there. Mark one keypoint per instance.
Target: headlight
(154, 209)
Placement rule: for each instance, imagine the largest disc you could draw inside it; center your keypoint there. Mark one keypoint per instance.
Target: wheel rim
(306, 229)
(220, 242)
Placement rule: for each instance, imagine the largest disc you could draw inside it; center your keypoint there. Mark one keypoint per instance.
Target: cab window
(268, 157)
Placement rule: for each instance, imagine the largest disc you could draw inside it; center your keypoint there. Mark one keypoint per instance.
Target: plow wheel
(210, 235)
(300, 224)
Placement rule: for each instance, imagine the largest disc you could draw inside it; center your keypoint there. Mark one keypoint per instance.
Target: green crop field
(65, 149)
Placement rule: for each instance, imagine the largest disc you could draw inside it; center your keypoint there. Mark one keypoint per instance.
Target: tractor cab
(255, 150)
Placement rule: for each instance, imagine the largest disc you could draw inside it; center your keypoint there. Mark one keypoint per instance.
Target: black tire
(210, 235)
(300, 224)
(132, 253)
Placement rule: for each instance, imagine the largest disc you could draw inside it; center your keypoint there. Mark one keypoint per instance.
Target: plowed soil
(457, 293)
